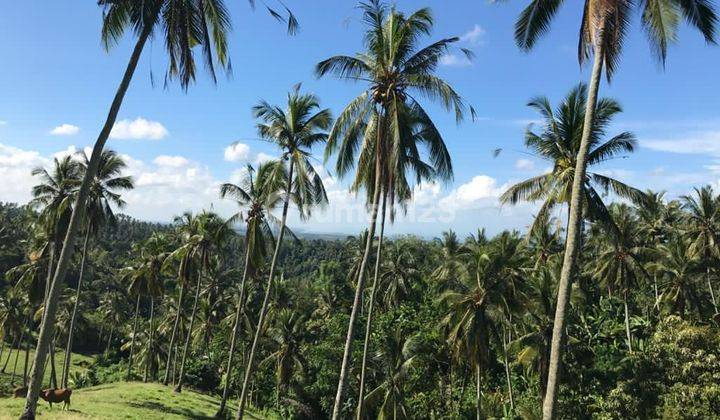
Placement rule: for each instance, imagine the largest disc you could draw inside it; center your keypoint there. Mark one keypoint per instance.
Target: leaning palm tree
(104, 193)
(205, 24)
(376, 122)
(603, 26)
(259, 195)
(203, 237)
(559, 143)
(295, 131)
(704, 214)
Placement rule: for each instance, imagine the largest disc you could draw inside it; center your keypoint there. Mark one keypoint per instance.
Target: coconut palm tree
(397, 356)
(704, 212)
(259, 196)
(104, 194)
(377, 121)
(399, 272)
(602, 33)
(202, 238)
(451, 268)
(208, 31)
(295, 130)
(559, 143)
(678, 269)
(619, 262)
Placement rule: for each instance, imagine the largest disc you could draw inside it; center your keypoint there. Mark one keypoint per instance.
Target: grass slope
(79, 363)
(126, 400)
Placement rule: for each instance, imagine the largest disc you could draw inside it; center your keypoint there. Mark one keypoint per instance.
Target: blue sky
(56, 83)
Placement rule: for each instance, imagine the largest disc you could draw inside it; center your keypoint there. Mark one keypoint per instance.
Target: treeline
(454, 317)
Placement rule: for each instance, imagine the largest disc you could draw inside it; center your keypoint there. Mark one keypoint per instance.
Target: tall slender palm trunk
(188, 338)
(572, 244)
(47, 327)
(110, 337)
(17, 355)
(171, 347)
(9, 354)
(361, 278)
(508, 378)
(710, 288)
(478, 394)
(68, 347)
(266, 299)
(368, 323)
(148, 356)
(233, 339)
(628, 334)
(27, 363)
(132, 343)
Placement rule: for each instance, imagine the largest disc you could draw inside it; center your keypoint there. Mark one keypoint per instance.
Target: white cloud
(475, 36)
(171, 161)
(455, 60)
(701, 142)
(2, 122)
(15, 167)
(525, 164)
(482, 190)
(138, 129)
(263, 157)
(65, 130)
(237, 152)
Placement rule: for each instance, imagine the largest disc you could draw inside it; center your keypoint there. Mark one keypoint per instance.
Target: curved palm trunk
(68, 347)
(132, 343)
(233, 340)
(358, 293)
(47, 327)
(573, 242)
(186, 347)
(266, 299)
(9, 355)
(17, 356)
(151, 332)
(172, 346)
(368, 323)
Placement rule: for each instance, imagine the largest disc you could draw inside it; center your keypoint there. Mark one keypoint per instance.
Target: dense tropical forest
(603, 307)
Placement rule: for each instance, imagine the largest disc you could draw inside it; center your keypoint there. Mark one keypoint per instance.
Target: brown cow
(20, 392)
(56, 396)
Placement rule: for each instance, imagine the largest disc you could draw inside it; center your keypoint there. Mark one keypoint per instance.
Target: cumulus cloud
(525, 165)
(475, 36)
(138, 129)
(65, 130)
(482, 190)
(15, 167)
(237, 152)
(170, 161)
(263, 157)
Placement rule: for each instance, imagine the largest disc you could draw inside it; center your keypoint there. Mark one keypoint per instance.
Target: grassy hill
(79, 363)
(126, 400)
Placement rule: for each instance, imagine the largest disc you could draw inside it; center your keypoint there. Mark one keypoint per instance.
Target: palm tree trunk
(368, 323)
(360, 283)
(507, 370)
(9, 355)
(712, 292)
(627, 319)
(68, 348)
(463, 387)
(478, 394)
(53, 365)
(27, 362)
(47, 327)
(572, 244)
(148, 356)
(174, 332)
(266, 299)
(134, 334)
(657, 295)
(17, 355)
(233, 339)
(188, 338)
(112, 329)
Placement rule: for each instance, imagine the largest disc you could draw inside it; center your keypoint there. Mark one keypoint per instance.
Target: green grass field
(126, 400)
(79, 364)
